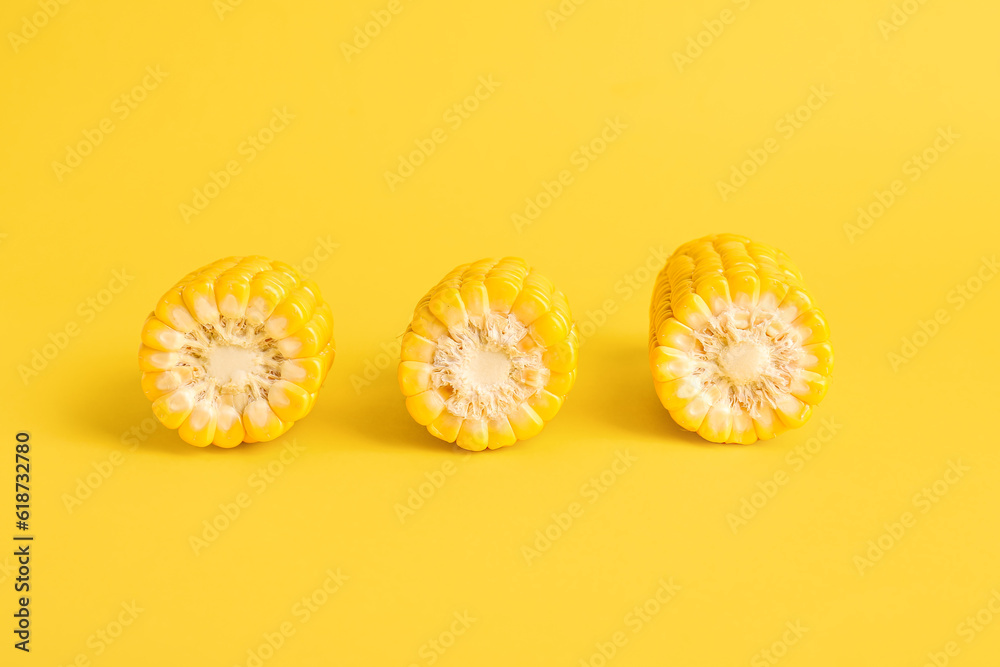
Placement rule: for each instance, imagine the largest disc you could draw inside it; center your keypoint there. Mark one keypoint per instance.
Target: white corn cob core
(487, 372)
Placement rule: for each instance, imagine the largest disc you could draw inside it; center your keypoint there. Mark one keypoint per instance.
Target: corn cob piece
(737, 348)
(236, 351)
(489, 356)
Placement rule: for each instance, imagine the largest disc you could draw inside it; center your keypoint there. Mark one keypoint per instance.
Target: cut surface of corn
(489, 356)
(236, 351)
(737, 349)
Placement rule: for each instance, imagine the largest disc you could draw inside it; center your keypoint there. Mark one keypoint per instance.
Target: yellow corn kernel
(173, 311)
(501, 433)
(738, 351)
(260, 422)
(267, 290)
(448, 306)
(328, 355)
(744, 285)
(550, 329)
(199, 427)
(718, 423)
(819, 358)
(152, 361)
(562, 357)
(669, 364)
(426, 406)
(475, 296)
(674, 333)
(530, 305)
(545, 404)
(414, 377)
(426, 324)
(232, 292)
(793, 412)
(289, 401)
(691, 414)
(675, 394)
(474, 435)
(199, 297)
(173, 408)
(503, 291)
(156, 384)
(446, 426)
(714, 291)
(691, 310)
(560, 383)
(236, 352)
(311, 339)
(417, 348)
(810, 387)
(307, 372)
(525, 422)
(489, 356)
(743, 432)
(291, 314)
(228, 427)
(159, 336)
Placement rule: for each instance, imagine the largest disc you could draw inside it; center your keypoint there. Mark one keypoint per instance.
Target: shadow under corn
(614, 386)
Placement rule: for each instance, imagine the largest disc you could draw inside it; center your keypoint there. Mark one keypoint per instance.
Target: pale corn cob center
(748, 354)
(232, 361)
(489, 376)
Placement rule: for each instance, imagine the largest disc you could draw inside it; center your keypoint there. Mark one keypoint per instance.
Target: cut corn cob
(489, 356)
(236, 351)
(737, 349)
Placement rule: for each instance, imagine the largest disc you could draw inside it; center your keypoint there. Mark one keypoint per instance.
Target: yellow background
(655, 186)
